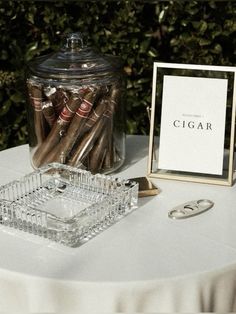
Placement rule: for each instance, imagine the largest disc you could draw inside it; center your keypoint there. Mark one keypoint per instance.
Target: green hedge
(139, 32)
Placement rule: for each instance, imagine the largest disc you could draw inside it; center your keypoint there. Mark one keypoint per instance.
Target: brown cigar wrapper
(35, 97)
(113, 102)
(99, 151)
(49, 112)
(109, 158)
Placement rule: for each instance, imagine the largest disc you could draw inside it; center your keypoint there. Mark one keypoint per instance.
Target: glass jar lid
(74, 60)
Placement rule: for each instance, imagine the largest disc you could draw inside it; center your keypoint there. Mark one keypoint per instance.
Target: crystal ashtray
(65, 204)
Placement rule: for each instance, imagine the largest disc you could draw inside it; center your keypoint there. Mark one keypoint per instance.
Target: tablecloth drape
(202, 279)
(205, 292)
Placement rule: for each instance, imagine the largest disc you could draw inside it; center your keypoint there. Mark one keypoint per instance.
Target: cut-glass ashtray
(66, 204)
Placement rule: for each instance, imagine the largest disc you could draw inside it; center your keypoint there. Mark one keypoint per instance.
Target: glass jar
(76, 108)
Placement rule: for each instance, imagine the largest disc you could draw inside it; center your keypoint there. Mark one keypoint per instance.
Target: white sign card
(193, 118)
(193, 124)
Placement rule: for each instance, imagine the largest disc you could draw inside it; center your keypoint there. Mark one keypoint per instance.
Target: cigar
(89, 139)
(62, 150)
(58, 129)
(98, 153)
(109, 157)
(114, 100)
(35, 97)
(95, 115)
(58, 97)
(115, 94)
(49, 112)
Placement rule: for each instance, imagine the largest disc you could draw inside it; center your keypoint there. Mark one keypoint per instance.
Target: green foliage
(13, 128)
(140, 32)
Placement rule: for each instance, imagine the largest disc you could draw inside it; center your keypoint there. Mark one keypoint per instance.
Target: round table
(146, 262)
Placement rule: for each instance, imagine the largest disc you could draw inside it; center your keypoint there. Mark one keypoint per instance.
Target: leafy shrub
(139, 32)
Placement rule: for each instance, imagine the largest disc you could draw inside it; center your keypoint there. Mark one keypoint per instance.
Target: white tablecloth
(144, 263)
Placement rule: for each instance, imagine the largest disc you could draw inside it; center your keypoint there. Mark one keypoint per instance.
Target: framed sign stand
(192, 129)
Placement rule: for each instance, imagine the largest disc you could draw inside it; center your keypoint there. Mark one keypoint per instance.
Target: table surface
(145, 245)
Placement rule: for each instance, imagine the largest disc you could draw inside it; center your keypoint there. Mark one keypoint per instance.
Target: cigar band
(68, 108)
(84, 109)
(36, 98)
(36, 103)
(65, 115)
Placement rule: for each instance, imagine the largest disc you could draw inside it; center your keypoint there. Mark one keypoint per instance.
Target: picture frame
(192, 123)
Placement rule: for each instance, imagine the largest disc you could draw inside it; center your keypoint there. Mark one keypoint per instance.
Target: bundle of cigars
(75, 126)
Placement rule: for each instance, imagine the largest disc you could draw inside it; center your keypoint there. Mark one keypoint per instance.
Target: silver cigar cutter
(190, 209)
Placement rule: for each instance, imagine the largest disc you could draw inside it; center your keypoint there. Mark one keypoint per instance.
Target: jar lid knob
(74, 41)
